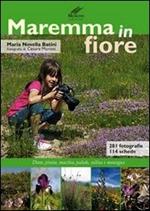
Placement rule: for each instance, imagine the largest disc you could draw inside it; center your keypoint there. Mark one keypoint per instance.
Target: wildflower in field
(126, 106)
(97, 146)
(127, 190)
(135, 192)
(43, 184)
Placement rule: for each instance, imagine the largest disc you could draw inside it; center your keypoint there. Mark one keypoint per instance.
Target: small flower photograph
(76, 188)
(15, 189)
(106, 189)
(45, 189)
(135, 189)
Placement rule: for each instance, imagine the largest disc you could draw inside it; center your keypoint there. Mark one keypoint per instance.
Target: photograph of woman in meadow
(15, 188)
(45, 189)
(112, 90)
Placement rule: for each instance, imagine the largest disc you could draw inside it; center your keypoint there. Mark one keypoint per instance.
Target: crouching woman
(28, 105)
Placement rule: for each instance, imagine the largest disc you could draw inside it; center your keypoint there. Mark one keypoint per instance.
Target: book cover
(75, 105)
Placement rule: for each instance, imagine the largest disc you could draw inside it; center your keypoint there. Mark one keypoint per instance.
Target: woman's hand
(59, 95)
(51, 95)
(34, 96)
(55, 94)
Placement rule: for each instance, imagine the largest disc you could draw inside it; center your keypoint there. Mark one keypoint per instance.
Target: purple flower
(43, 181)
(130, 190)
(126, 106)
(97, 146)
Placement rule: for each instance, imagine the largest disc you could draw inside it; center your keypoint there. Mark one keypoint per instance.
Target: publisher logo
(76, 13)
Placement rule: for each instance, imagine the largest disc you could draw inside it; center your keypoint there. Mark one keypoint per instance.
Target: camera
(68, 96)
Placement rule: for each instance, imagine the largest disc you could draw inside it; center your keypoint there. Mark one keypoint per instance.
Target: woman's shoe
(42, 144)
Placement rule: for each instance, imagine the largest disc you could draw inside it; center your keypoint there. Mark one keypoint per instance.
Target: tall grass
(75, 196)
